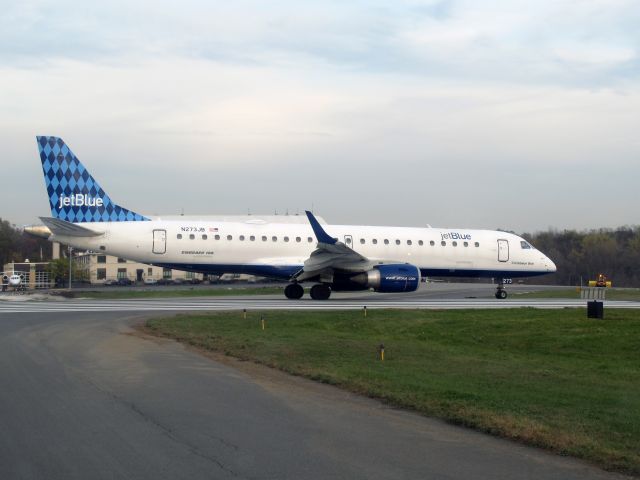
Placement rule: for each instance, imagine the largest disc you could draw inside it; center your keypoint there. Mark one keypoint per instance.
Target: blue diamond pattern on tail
(74, 195)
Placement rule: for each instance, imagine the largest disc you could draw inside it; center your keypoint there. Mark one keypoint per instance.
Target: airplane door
(503, 250)
(159, 241)
(348, 241)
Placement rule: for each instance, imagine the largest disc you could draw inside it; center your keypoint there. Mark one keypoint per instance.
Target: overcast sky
(482, 114)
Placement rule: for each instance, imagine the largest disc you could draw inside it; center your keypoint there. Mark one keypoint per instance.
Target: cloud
(386, 108)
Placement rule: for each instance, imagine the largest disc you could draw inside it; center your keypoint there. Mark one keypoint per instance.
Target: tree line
(17, 246)
(579, 255)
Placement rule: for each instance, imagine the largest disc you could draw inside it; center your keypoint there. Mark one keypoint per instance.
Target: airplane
(292, 248)
(12, 279)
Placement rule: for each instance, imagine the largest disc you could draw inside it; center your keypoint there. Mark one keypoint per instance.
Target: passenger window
(386, 242)
(443, 243)
(409, 242)
(477, 244)
(397, 242)
(229, 237)
(204, 237)
(310, 239)
(252, 238)
(286, 239)
(274, 238)
(466, 244)
(192, 236)
(241, 238)
(362, 241)
(217, 237)
(432, 243)
(420, 242)
(179, 236)
(374, 241)
(455, 244)
(264, 238)
(298, 239)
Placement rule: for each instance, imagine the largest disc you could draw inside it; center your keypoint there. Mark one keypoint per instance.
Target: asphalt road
(83, 396)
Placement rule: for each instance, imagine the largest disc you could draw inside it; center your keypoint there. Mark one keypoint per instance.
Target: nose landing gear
(501, 292)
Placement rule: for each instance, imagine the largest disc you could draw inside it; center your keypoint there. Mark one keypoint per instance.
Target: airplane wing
(330, 256)
(68, 229)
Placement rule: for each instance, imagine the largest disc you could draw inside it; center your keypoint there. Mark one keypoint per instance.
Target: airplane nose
(551, 267)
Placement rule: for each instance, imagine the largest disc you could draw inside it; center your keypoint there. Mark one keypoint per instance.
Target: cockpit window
(525, 245)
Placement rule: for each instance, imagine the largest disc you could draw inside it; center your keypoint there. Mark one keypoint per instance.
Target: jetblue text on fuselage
(80, 200)
(455, 236)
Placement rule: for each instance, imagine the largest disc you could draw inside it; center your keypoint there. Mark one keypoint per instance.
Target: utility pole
(70, 250)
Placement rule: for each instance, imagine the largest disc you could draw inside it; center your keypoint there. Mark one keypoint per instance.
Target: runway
(83, 395)
(257, 303)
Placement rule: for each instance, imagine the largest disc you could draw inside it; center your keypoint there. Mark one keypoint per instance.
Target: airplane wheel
(320, 292)
(294, 291)
(501, 294)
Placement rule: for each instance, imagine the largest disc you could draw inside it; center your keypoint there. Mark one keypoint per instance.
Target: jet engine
(388, 278)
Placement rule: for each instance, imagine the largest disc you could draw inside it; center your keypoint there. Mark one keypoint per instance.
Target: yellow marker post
(382, 352)
(262, 321)
(365, 310)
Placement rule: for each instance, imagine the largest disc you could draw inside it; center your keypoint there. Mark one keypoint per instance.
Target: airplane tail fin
(74, 196)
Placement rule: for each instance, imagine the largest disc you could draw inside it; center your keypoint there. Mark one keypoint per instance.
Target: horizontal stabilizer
(66, 229)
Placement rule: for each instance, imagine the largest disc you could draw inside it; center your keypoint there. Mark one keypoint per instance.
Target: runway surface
(428, 296)
(258, 303)
(82, 395)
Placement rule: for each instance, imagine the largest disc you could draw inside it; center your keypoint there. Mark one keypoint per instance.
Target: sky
(478, 114)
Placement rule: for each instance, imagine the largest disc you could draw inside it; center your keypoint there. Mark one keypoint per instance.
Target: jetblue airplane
(292, 248)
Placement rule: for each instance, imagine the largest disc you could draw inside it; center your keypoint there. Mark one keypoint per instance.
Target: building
(36, 274)
(97, 268)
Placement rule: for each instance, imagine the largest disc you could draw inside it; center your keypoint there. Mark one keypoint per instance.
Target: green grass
(632, 294)
(158, 292)
(547, 378)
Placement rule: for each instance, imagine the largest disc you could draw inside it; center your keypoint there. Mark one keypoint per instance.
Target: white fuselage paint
(239, 246)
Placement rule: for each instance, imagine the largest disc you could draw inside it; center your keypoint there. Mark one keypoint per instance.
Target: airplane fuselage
(279, 249)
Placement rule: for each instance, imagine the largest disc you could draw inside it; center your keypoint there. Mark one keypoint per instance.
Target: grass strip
(154, 292)
(548, 378)
(631, 294)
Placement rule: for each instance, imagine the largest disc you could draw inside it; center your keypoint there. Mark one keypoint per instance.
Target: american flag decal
(213, 229)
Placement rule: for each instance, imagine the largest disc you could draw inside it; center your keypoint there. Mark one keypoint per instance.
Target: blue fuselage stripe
(286, 271)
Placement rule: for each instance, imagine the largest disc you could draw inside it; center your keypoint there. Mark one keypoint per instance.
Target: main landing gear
(320, 291)
(294, 291)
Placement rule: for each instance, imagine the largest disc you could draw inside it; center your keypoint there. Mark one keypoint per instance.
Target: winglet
(321, 235)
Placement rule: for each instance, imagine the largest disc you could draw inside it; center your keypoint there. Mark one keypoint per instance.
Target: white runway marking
(253, 303)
